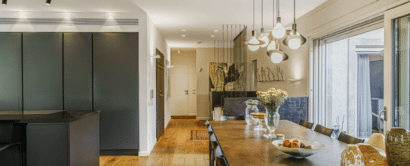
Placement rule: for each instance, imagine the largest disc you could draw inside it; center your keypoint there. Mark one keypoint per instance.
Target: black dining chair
(220, 158)
(211, 150)
(10, 151)
(215, 144)
(305, 124)
(349, 139)
(323, 130)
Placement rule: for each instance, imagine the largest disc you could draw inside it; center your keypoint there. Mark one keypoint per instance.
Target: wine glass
(259, 116)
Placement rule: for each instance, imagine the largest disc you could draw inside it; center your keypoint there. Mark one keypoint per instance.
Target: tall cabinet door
(116, 89)
(10, 72)
(78, 71)
(42, 71)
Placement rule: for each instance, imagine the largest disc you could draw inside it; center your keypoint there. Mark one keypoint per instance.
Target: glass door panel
(401, 114)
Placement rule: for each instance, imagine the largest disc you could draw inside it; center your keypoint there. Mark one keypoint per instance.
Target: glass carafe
(251, 108)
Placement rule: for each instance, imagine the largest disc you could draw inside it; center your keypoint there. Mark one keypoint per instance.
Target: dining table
(241, 145)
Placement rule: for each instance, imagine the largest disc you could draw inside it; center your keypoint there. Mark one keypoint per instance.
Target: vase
(398, 146)
(272, 121)
(250, 108)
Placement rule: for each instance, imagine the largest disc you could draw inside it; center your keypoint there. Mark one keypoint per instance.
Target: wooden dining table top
(242, 145)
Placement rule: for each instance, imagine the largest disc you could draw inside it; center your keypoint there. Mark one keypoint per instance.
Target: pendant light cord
(253, 14)
(294, 11)
(278, 8)
(262, 13)
(273, 11)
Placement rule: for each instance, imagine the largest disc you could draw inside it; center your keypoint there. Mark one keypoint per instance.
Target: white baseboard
(143, 153)
(192, 114)
(203, 118)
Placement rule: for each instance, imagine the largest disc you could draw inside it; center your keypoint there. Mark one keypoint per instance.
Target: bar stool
(210, 133)
(10, 151)
(220, 158)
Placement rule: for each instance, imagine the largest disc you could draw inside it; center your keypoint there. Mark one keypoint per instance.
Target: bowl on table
(299, 153)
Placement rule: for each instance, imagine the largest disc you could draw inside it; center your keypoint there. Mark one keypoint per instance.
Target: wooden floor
(174, 147)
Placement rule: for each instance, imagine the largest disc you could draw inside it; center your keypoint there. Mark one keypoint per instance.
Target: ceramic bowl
(300, 153)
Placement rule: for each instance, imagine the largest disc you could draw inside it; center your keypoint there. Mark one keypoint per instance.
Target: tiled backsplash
(293, 109)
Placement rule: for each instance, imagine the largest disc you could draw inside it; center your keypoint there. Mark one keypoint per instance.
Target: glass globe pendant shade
(276, 57)
(279, 32)
(253, 44)
(295, 43)
(264, 38)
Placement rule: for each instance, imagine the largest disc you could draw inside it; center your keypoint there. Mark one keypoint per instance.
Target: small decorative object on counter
(280, 136)
(363, 154)
(251, 107)
(272, 100)
(377, 140)
(398, 147)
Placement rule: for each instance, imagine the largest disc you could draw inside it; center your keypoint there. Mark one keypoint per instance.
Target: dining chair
(220, 158)
(10, 151)
(323, 130)
(305, 124)
(349, 139)
(211, 150)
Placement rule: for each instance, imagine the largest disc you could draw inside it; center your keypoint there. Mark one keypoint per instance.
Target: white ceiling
(198, 18)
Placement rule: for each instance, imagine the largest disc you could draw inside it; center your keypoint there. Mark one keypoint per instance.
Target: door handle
(186, 92)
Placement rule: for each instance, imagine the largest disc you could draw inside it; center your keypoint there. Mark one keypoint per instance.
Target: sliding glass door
(398, 35)
(348, 85)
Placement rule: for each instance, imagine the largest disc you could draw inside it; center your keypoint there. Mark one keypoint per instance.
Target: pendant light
(48, 2)
(278, 31)
(276, 55)
(294, 40)
(254, 43)
(4, 2)
(264, 36)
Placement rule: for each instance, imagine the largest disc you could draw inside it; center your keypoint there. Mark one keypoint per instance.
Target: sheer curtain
(364, 108)
(318, 65)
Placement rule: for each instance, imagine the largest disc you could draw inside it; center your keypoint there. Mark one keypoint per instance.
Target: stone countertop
(46, 116)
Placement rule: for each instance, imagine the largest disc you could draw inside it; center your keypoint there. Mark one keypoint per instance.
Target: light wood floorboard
(174, 147)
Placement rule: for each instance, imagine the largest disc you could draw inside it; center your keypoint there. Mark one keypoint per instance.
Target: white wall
(150, 40)
(148, 117)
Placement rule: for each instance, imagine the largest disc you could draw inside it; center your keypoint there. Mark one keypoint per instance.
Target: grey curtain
(364, 109)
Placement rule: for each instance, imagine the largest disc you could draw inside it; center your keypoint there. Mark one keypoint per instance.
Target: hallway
(173, 148)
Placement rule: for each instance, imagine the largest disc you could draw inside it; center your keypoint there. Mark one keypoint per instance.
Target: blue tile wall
(293, 109)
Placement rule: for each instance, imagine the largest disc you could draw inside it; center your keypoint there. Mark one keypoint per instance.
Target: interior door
(397, 32)
(180, 91)
(160, 94)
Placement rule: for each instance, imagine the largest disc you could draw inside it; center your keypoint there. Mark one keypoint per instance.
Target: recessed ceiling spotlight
(199, 42)
(48, 2)
(215, 30)
(183, 35)
(212, 36)
(183, 30)
(4, 2)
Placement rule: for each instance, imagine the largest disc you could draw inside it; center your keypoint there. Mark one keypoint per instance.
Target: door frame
(389, 16)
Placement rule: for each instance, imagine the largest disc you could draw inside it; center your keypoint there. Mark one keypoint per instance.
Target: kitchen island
(58, 137)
